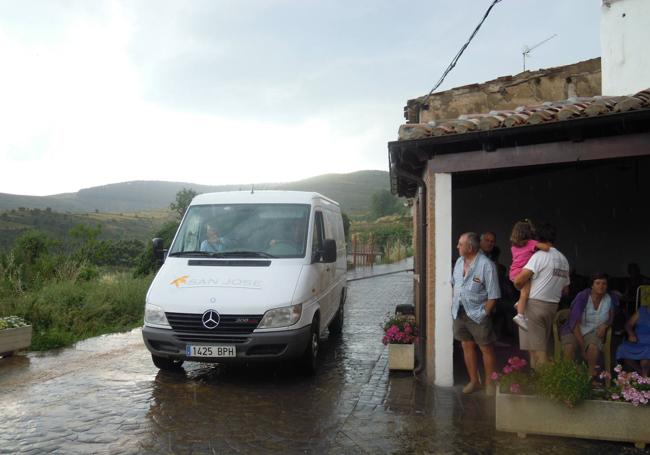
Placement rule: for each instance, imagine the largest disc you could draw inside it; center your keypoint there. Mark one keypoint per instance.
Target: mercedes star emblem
(210, 319)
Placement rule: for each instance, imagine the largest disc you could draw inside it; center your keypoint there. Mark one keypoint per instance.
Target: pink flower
(615, 396)
(494, 376)
(507, 369)
(516, 363)
(515, 388)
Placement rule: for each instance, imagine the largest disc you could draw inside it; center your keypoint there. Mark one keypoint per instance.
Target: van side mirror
(329, 250)
(159, 252)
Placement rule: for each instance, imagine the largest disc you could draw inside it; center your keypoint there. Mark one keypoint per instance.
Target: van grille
(232, 328)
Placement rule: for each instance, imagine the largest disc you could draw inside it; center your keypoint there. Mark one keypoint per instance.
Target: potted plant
(629, 387)
(558, 400)
(400, 334)
(15, 334)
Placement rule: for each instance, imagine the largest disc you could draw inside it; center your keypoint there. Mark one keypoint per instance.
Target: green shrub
(66, 311)
(145, 263)
(563, 381)
(88, 273)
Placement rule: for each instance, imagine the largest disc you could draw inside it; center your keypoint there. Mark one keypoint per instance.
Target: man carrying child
(548, 274)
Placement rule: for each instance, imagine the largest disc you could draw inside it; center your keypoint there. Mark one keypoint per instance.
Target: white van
(249, 276)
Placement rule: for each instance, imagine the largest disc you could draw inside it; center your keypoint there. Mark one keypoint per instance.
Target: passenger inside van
(292, 242)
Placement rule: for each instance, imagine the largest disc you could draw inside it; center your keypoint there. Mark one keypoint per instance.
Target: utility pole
(526, 51)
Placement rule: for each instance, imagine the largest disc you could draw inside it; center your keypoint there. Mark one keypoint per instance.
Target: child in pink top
(523, 247)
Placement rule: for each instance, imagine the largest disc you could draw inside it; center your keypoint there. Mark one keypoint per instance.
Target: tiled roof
(548, 112)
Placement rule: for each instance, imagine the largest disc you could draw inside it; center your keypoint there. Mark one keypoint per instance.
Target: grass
(62, 313)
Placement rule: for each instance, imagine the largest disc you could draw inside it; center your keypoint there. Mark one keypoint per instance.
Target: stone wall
(509, 92)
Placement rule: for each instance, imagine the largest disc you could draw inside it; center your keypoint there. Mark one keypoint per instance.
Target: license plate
(193, 350)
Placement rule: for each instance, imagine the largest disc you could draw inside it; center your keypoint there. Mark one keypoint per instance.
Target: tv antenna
(526, 51)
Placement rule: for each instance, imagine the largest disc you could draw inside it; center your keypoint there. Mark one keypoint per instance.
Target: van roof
(260, 197)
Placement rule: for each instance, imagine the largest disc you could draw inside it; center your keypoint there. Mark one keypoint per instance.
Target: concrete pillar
(439, 242)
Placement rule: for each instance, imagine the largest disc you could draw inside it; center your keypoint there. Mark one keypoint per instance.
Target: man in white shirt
(548, 273)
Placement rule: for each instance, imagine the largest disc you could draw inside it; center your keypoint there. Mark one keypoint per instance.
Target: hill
(353, 191)
(115, 226)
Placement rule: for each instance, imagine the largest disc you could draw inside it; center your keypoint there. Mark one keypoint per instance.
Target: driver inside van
(214, 242)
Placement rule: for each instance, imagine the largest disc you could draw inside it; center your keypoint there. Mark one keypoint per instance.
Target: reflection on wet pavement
(105, 396)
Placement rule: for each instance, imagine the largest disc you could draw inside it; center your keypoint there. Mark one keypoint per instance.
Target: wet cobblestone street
(105, 396)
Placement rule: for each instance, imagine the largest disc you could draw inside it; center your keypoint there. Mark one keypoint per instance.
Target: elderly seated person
(591, 314)
(636, 350)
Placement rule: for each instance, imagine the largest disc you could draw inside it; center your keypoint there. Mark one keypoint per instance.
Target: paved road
(105, 396)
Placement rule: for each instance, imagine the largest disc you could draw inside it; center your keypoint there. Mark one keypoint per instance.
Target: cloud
(241, 91)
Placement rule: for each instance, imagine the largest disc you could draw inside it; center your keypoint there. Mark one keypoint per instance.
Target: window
(317, 238)
(244, 227)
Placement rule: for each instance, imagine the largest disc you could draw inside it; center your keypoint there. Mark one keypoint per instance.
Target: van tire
(167, 364)
(309, 360)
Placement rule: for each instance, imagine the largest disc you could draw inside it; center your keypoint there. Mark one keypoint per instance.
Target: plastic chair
(560, 318)
(607, 353)
(642, 296)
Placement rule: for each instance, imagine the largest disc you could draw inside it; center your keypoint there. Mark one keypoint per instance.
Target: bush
(564, 381)
(391, 238)
(630, 387)
(64, 312)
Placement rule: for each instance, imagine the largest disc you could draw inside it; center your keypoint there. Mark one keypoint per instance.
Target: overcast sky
(244, 91)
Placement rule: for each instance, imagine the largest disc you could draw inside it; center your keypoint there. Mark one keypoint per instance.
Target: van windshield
(243, 230)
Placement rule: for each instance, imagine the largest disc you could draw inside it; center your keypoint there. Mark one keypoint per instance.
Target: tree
(145, 263)
(183, 199)
(384, 203)
(85, 241)
(31, 246)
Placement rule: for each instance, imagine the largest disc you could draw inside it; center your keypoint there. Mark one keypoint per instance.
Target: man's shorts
(590, 338)
(467, 330)
(540, 317)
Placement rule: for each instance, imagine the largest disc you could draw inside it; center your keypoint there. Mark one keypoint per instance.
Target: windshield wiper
(243, 254)
(192, 254)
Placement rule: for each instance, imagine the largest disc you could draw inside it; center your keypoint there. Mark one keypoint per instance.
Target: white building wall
(624, 40)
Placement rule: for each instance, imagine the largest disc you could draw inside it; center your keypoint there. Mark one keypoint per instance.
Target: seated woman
(636, 350)
(591, 314)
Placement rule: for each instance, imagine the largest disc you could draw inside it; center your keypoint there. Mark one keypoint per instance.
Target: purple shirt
(578, 308)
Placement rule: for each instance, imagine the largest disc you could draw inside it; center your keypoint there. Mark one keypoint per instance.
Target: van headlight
(281, 317)
(153, 314)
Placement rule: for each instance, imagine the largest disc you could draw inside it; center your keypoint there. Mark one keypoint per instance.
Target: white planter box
(401, 356)
(12, 340)
(590, 419)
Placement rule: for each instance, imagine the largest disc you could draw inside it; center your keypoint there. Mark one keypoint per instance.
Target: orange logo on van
(180, 280)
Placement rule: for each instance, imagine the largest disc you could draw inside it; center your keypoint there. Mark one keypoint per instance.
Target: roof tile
(528, 115)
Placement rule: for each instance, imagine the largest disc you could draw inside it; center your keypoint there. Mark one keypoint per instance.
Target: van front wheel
(166, 364)
(309, 359)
